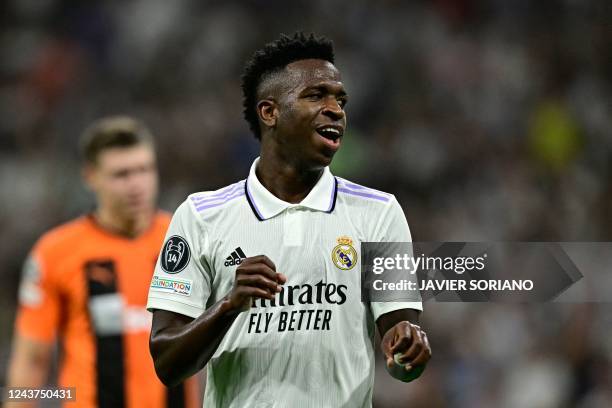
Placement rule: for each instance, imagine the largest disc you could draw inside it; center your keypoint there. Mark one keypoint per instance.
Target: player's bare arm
(29, 366)
(401, 334)
(181, 346)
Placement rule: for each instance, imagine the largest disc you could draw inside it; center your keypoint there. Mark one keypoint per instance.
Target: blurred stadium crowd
(489, 120)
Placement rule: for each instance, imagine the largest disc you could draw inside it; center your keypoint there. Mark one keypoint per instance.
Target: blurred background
(489, 120)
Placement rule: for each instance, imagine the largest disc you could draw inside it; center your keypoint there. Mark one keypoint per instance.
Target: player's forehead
(308, 72)
(115, 158)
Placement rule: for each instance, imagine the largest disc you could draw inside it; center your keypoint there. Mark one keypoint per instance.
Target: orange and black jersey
(88, 287)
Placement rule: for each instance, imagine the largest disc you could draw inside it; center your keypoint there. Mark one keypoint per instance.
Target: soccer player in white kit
(261, 279)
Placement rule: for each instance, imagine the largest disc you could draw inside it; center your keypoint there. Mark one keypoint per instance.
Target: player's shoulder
(162, 218)
(359, 195)
(205, 203)
(64, 236)
(160, 224)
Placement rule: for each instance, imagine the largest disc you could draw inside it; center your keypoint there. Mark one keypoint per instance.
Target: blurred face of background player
(125, 183)
(295, 105)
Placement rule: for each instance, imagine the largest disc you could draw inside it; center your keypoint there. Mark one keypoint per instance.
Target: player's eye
(315, 96)
(145, 168)
(120, 174)
(342, 102)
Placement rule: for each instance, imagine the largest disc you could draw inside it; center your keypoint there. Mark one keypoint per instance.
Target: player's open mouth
(331, 134)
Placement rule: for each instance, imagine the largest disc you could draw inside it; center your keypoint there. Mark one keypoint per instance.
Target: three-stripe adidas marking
(235, 257)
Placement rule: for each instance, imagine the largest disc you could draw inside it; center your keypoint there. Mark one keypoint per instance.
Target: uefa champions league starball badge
(175, 254)
(344, 255)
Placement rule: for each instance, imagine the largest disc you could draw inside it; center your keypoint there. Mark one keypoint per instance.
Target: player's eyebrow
(326, 87)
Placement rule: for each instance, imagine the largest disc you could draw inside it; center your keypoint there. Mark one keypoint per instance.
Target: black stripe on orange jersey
(101, 278)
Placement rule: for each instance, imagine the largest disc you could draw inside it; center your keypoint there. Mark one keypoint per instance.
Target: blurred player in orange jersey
(86, 282)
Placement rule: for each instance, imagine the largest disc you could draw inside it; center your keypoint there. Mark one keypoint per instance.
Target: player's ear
(88, 175)
(267, 110)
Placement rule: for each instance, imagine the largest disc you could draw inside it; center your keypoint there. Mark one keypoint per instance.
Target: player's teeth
(336, 131)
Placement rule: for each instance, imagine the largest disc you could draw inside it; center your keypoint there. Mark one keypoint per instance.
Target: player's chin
(326, 151)
(324, 157)
(327, 146)
(135, 208)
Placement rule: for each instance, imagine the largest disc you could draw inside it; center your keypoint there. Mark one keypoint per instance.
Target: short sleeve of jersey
(181, 282)
(392, 227)
(39, 300)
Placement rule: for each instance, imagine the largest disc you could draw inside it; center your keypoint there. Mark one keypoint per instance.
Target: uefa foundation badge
(344, 255)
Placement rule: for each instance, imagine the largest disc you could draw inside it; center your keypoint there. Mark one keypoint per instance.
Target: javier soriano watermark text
(464, 271)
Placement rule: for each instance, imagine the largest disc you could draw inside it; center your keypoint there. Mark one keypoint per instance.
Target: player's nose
(333, 110)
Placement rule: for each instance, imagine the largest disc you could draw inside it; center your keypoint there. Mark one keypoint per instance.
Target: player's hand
(409, 340)
(256, 277)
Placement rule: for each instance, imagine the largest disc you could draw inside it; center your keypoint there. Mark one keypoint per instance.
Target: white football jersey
(313, 345)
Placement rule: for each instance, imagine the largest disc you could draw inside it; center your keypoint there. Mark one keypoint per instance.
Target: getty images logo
(235, 257)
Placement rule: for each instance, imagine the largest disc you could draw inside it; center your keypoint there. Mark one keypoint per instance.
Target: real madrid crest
(344, 255)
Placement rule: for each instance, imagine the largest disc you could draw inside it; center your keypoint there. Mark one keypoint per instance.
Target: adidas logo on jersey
(235, 257)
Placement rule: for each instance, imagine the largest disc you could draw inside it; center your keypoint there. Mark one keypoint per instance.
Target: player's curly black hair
(273, 57)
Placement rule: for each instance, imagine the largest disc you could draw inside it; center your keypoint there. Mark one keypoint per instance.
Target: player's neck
(285, 180)
(125, 226)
